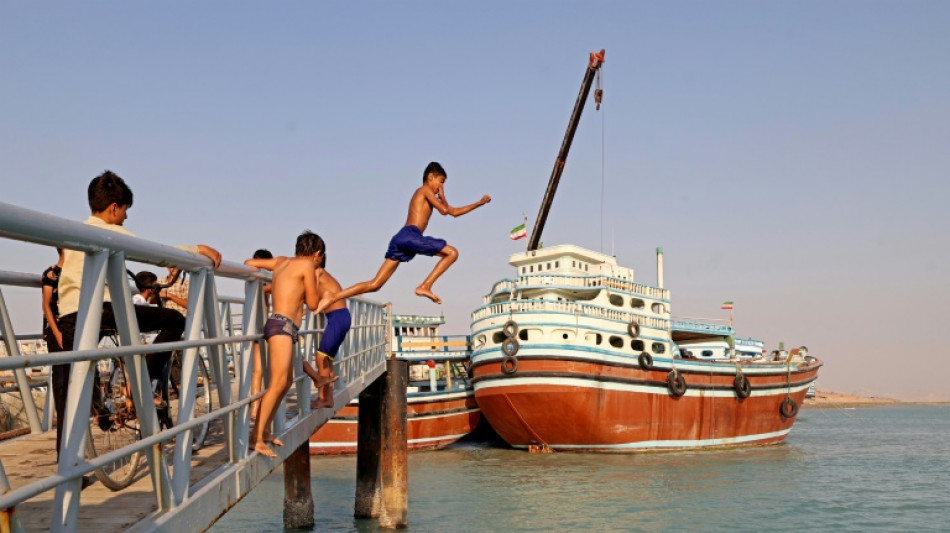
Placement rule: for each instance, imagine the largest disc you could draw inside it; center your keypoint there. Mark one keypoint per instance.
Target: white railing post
(13, 349)
(252, 321)
(79, 398)
(141, 382)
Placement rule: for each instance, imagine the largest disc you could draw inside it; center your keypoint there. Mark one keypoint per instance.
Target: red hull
(432, 423)
(584, 405)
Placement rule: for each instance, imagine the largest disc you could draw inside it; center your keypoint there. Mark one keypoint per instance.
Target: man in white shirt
(109, 200)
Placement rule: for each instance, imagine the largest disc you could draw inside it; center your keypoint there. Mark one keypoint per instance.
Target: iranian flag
(519, 232)
(726, 305)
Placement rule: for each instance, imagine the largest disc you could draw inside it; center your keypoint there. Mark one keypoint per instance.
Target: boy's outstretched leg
(385, 272)
(449, 255)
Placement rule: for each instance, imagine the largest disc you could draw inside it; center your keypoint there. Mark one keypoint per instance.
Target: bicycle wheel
(115, 427)
(202, 404)
(202, 396)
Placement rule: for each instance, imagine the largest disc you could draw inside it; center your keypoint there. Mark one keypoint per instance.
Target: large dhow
(572, 354)
(441, 401)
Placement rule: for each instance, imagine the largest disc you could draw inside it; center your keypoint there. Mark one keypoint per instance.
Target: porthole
(498, 337)
(659, 347)
(523, 334)
(707, 353)
(637, 303)
(637, 345)
(616, 342)
(564, 336)
(595, 338)
(616, 299)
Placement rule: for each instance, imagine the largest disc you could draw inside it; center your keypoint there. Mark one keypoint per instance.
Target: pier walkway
(178, 487)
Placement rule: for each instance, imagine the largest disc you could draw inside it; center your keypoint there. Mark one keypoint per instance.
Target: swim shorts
(278, 324)
(409, 242)
(338, 324)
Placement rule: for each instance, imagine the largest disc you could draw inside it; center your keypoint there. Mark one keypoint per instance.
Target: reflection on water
(884, 469)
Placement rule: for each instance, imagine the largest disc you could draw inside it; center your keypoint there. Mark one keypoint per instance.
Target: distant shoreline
(826, 399)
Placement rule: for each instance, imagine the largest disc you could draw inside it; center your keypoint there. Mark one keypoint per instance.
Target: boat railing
(440, 347)
(575, 308)
(208, 326)
(593, 282)
(680, 324)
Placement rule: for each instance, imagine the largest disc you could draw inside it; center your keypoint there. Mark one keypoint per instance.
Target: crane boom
(596, 60)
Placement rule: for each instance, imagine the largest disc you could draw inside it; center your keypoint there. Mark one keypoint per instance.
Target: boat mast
(596, 60)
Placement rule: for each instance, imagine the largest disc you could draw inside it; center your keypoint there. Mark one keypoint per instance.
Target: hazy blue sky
(789, 156)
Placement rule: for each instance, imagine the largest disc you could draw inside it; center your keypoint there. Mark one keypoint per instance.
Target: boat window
(585, 268)
(658, 308)
(532, 268)
(557, 264)
(549, 266)
(498, 337)
(637, 345)
(480, 340)
(523, 334)
(707, 353)
(659, 347)
(637, 303)
(616, 299)
(616, 342)
(596, 338)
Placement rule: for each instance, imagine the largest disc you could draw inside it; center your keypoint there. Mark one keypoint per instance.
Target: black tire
(742, 386)
(510, 347)
(633, 329)
(510, 329)
(789, 408)
(645, 360)
(124, 430)
(676, 383)
(509, 364)
(202, 404)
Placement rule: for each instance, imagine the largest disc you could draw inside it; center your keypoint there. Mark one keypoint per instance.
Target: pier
(181, 486)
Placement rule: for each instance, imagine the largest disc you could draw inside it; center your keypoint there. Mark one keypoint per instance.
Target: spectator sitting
(175, 296)
(148, 294)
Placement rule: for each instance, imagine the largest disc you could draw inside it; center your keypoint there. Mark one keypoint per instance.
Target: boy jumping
(410, 240)
(294, 284)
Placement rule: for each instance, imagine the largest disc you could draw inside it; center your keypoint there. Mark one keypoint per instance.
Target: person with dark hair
(294, 285)
(109, 201)
(54, 340)
(410, 241)
(145, 282)
(257, 371)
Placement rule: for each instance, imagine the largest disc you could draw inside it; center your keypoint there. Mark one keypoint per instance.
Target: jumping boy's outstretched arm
(438, 201)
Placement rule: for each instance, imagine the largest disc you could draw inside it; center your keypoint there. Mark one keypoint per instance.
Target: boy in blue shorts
(337, 325)
(410, 241)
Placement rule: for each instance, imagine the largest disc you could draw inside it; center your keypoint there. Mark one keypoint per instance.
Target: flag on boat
(519, 232)
(726, 305)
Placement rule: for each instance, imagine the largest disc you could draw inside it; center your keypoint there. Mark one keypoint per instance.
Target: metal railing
(580, 309)
(568, 280)
(211, 324)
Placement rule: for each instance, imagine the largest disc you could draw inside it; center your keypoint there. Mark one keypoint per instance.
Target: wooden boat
(441, 401)
(574, 355)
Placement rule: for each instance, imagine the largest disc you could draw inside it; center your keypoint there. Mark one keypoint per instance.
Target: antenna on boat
(596, 60)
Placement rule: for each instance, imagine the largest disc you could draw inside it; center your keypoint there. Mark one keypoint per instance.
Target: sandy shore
(824, 399)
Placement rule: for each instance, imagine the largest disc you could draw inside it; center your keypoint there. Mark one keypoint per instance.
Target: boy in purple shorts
(410, 241)
(294, 285)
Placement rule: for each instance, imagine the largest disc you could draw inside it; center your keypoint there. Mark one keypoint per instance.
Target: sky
(788, 156)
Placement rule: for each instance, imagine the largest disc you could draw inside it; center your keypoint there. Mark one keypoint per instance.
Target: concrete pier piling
(382, 474)
(298, 499)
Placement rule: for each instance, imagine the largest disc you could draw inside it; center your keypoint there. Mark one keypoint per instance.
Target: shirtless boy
(294, 284)
(337, 325)
(410, 241)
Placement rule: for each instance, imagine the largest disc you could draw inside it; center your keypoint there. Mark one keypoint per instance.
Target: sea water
(871, 469)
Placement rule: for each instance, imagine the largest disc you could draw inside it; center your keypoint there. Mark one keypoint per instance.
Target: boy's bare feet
(322, 381)
(423, 291)
(270, 439)
(264, 450)
(322, 404)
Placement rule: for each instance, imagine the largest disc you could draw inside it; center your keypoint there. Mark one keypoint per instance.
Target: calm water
(876, 469)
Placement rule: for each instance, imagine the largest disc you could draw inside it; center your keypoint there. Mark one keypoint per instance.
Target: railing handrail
(360, 362)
